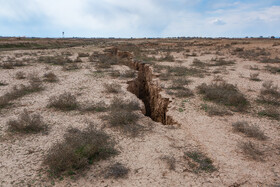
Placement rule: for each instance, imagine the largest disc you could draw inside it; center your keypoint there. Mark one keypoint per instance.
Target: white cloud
(124, 18)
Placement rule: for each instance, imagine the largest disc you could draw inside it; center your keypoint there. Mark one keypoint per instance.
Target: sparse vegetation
(269, 94)
(117, 171)
(122, 115)
(27, 123)
(2, 83)
(251, 150)
(50, 77)
(83, 55)
(171, 162)
(78, 150)
(273, 69)
(221, 62)
(249, 130)
(112, 88)
(215, 110)
(255, 77)
(21, 90)
(94, 107)
(271, 112)
(20, 75)
(65, 102)
(55, 60)
(198, 162)
(222, 92)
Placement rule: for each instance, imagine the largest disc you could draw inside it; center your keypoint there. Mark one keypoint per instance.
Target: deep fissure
(146, 89)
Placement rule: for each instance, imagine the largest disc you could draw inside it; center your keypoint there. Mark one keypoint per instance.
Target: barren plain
(139, 112)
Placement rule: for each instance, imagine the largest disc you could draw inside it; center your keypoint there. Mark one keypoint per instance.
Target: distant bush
(55, 60)
(83, 55)
(20, 75)
(222, 92)
(213, 110)
(50, 77)
(65, 101)
(112, 88)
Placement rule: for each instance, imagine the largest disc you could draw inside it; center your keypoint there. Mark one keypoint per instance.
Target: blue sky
(140, 18)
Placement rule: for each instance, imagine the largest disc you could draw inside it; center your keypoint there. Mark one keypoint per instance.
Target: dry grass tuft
(20, 75)
(50, 77)
(122, 115)
(271, 112)
(249, 130)
(117, 171)
(215, 110)
(269, 94)
(171, 162)
(198, 162)
(255, 77)
(65, 102)
(112, 88)
(251, 150)
(27, 123)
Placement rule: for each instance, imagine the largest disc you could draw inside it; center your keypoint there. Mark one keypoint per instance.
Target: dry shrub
(21, 90)
(128, 74)
(78, 60)
(78, 150)
(171, 162)
(222, 92)
(83, 55)
(271, 112)
(269, 94)
(20, 75)
(273, 69)
(116, 171)
(70, 67)
(94, 107)
(184, 71)
(221, 62)
(179, 83)
(50, 77)
(198, 63)
(254, 77)
(104, 61)
(168, 57)
(65, 102)
(215, 110)
(182, 93)
(112, 88)
(249, 130)
(2, 83)
(198, 162)
(251, 150)
(55, 60)
(27, 123)
(122, 115)
(7, 65)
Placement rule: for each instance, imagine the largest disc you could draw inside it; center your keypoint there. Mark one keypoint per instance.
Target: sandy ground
(22, 155)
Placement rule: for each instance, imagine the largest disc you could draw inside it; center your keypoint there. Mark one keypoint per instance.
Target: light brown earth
(187, 127)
